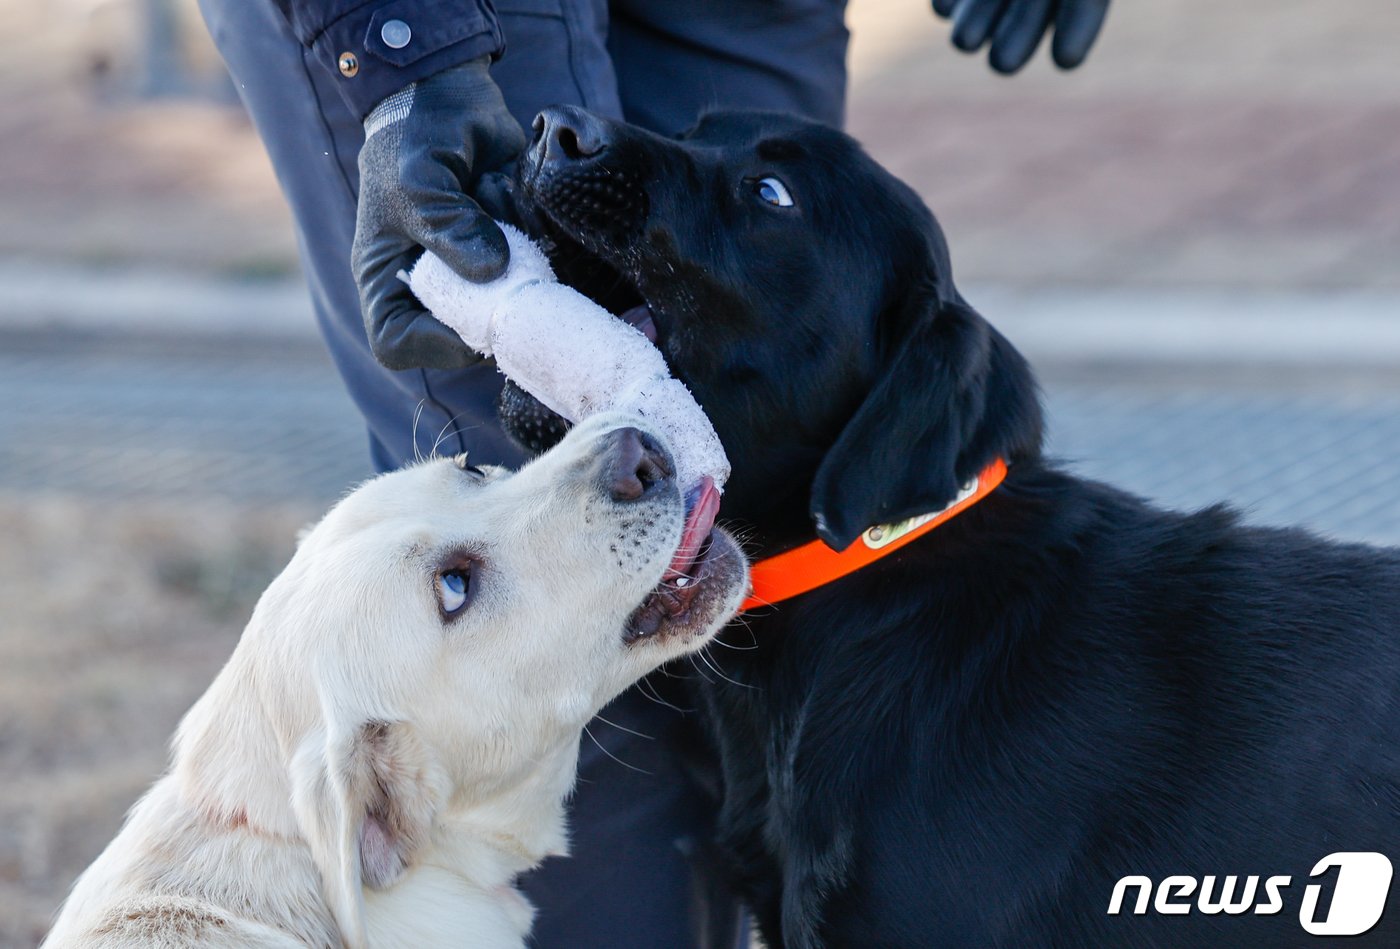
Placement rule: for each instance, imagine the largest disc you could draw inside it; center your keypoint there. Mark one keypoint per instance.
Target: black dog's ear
(955, 396)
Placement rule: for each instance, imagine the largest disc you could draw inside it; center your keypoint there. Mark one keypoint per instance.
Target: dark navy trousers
(640, 874)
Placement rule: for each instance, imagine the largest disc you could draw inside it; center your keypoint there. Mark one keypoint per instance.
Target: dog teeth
(682, 581)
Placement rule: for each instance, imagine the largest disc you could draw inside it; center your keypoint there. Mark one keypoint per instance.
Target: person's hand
(1014, 28)
(425, 148)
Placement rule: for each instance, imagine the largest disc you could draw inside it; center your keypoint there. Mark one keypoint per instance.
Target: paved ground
(264, 420)
(181, 419)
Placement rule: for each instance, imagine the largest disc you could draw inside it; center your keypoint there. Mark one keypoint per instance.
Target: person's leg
(636, 833)
(678, 58)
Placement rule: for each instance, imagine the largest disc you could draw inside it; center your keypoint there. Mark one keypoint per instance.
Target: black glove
(425, 147)
(1014, 28)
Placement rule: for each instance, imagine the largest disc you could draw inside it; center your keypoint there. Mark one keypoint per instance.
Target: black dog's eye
(773, 191)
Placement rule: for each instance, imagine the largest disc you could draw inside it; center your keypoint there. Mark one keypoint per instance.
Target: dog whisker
(630, 767)
(442, 434)
(706, 658)
(413, 432)
(707, 679)
(624, 728)
(649, 692)
(726, 645)
(753, 637)
(761, 601)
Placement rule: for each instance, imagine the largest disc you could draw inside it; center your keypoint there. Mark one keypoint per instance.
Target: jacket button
(395, 34)
(348, 64)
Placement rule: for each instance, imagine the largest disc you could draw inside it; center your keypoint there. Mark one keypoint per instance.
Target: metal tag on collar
(882, 535)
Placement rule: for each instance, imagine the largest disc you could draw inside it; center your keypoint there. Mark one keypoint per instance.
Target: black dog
(971, 742)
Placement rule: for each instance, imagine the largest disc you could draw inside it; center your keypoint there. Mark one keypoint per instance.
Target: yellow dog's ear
(365, 798)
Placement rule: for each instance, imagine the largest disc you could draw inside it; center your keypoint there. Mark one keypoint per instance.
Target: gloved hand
(1014, 28)
(425, 148)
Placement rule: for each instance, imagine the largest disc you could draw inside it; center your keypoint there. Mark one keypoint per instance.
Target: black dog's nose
(634, 465)
(568, 134)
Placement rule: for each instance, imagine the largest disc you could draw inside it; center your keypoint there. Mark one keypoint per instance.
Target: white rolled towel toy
(578, 359)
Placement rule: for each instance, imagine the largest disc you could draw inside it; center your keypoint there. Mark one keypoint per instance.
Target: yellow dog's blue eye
(452, 590)
(773, 191)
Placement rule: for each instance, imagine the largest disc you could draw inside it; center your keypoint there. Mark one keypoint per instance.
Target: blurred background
(1195, 238)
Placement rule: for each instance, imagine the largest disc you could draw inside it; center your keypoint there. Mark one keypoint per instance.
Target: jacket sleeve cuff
(428, 36)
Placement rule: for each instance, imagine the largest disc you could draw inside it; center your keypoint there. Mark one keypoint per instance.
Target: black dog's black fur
(967, 743)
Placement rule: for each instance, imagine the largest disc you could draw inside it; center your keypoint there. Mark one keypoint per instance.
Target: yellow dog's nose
(635, 465)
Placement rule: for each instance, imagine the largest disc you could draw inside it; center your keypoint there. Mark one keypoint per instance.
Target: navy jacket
(441, 34)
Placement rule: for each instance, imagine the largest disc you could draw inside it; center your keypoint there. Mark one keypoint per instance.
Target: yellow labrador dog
(392, 741)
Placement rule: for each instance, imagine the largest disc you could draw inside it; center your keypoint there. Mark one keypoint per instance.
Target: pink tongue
(640, 317)
(698, 525)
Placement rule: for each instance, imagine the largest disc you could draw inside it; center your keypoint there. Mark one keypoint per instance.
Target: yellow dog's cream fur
(367, 773)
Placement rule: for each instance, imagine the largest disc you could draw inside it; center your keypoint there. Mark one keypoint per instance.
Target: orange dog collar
(814, 564)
